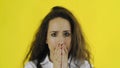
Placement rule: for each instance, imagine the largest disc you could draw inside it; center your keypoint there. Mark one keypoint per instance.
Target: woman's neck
(50, 57)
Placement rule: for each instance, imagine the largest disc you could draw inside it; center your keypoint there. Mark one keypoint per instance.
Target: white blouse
(48, 64)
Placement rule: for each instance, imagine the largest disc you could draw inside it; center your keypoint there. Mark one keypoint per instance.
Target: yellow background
(100, 21)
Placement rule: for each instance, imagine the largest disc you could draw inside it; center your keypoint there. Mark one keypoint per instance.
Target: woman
(59, 43)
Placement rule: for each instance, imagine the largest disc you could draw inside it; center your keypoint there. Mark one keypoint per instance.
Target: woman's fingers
(56, 48)
(57, 54)
(65, 49)
(61, 55)
(64, 57)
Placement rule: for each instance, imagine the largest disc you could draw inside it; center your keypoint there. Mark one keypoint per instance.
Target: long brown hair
(39, 49)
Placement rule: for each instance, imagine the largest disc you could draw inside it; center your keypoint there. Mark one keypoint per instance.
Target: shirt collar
(46, 61)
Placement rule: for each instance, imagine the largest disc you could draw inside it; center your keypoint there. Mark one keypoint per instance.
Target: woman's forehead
(59, 24)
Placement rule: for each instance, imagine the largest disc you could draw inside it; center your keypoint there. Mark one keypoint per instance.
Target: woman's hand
(64, 57)
(57, 57)
(60, 55)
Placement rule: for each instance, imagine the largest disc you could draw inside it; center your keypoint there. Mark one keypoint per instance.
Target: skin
(58, 40)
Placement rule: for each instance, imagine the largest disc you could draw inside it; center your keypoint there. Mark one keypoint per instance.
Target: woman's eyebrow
(63, 31)
(53, 31)
(67, 31)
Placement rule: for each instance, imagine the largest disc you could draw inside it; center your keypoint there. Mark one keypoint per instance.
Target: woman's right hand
(57, 58)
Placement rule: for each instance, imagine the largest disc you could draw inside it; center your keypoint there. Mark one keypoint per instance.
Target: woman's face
(59, 31)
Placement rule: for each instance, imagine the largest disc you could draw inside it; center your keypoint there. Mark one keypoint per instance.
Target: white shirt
(48, 64)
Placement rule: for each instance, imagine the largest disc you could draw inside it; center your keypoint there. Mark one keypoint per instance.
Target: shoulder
(79, 64)
(30, 64)
(86, 64)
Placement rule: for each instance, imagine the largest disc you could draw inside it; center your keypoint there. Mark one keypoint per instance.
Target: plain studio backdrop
(99, 19)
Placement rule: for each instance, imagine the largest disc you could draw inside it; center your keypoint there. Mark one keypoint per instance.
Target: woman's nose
(62, 40)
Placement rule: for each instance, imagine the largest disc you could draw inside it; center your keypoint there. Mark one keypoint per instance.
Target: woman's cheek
(52, 43)
(68, 41)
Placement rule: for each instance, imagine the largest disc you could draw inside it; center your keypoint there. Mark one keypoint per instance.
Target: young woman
(59, 43)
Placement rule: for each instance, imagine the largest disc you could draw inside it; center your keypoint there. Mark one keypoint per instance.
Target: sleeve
(30, 64)
(85, 65)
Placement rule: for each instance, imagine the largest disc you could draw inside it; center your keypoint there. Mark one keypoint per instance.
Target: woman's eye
(66, 34)
(53, 34)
